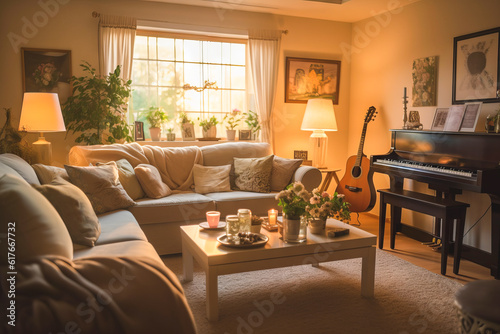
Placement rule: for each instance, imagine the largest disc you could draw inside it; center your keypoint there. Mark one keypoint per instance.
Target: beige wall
(72, 27)
(382, 56)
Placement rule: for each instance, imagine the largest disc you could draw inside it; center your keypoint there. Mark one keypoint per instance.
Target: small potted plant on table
(232, 120)
(156, 117)
(209, 127)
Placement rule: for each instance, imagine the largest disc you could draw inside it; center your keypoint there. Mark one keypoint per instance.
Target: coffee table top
(204, 243)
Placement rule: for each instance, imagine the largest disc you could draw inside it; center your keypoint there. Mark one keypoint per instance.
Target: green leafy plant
(206, 124)
(252, 120)
(96, 108)
(183, 118)
(156, 117)
(232, 119)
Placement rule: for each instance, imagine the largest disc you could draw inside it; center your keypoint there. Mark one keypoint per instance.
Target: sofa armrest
(309, 176)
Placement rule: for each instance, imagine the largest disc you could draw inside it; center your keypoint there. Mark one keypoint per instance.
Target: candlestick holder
(405, 113)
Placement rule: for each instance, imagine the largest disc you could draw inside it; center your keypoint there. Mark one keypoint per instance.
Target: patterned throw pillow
(101, 185)
(253, 174)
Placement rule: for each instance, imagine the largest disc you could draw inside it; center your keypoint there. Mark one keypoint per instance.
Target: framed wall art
(47, 70)
(311, 78)
(424, 75)
(471, 114)
(476, 67)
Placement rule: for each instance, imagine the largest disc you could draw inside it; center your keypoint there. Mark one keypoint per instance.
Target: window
(163, 65)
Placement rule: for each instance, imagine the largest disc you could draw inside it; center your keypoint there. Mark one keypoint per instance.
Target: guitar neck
(361, 145)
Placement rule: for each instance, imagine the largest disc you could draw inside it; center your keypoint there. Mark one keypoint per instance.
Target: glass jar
(232, 227)
(245, 217)
(294, 229)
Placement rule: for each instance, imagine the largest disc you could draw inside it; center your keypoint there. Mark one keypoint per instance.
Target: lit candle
(272, 215)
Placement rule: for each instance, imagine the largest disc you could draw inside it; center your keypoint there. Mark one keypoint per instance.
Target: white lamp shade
(319, 115)
(41, 112)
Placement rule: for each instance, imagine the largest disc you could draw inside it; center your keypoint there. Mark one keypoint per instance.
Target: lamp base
(43, 151)
(319, 145)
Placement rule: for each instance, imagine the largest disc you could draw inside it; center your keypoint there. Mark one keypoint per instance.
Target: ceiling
(348, 11)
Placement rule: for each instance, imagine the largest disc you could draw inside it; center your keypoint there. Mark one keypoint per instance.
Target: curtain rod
(96, 14)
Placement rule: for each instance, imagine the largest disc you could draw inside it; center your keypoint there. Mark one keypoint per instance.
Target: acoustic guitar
(357, 183)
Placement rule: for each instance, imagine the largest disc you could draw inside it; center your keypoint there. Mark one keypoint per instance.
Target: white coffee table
(216, 259)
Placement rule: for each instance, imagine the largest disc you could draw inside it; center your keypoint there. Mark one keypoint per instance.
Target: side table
(330, 173)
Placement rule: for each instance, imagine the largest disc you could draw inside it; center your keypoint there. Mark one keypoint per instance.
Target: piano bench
(443, 208)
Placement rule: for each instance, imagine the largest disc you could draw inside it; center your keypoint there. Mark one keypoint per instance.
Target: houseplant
(209, 127)
(252, 120)
(294, 200)
(156, 117)
(232, 120)
(187, 127)
(170, 131)
(322, 206)
(97, 108)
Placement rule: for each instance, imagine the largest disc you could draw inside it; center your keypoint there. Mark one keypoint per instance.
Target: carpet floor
(327, 299)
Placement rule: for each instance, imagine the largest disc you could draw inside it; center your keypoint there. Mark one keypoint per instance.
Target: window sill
(181, 143)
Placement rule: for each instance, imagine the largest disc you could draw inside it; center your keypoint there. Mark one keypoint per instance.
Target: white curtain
(116, 44)
(264, 48)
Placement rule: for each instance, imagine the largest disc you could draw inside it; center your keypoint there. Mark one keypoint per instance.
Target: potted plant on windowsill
(187, 127)
(209, 127)
(156, 117)
(252, 120)
(170, 131)
(232, 120)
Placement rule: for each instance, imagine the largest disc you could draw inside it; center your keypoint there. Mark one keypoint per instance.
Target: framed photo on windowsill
(476, 67)
(139, 131)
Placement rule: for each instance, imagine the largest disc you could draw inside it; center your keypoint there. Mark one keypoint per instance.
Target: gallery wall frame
(307, 78)
(47, 70)
(476, 67)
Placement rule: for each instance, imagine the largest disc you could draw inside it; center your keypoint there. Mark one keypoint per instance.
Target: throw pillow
(127, 178)
(150, 179)
(47, 174)
(20, 166)
(75, 210)
(253, 174)
(38, 229)
(209, 179)
(101, 185)
(283, 170)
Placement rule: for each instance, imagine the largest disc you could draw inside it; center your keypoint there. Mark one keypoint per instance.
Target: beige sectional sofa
(118, 285)
(160, 218)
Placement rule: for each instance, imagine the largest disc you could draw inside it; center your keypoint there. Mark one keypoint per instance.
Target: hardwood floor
(423, 256)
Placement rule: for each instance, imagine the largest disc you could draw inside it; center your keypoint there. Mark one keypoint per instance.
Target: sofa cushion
(101, 185)
(184, 207)
(75, 210)
(20, 166)
(46, 173)
(283, 170)
(127, 178)
(150, 180)
(209, 179)
(38, 229)
(118, 226)
(258, 203)
(253, 174)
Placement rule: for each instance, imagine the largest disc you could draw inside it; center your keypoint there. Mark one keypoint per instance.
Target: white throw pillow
(210, 179)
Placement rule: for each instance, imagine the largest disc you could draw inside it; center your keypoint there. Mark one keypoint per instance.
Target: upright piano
(448, 162)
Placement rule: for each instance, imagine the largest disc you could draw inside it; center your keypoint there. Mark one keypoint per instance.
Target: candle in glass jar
(272, 216)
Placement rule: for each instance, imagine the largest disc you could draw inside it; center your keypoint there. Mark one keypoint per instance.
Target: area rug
(326, 299)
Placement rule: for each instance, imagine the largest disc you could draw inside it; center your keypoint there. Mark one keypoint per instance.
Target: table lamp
(41, 112)
(319, 117)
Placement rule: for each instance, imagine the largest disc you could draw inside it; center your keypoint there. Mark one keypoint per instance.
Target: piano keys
(448, 162)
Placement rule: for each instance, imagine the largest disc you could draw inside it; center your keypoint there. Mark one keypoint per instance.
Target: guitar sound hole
(356, 171)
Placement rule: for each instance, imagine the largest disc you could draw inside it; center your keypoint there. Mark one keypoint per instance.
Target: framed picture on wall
(47, 70)
(307, 78)
(476, 67)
